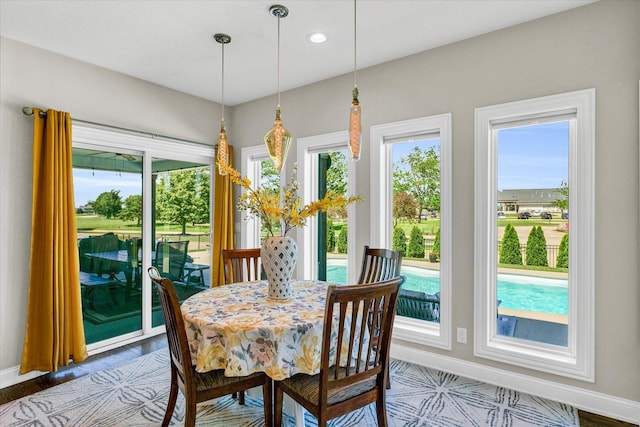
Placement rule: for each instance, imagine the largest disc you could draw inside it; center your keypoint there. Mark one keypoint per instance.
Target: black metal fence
(552, 251)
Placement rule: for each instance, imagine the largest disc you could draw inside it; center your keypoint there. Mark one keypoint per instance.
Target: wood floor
(120, 355)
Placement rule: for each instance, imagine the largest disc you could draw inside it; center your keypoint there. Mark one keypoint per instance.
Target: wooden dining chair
(195, 386)
(379, 264)
(358, 378)
(241, 265)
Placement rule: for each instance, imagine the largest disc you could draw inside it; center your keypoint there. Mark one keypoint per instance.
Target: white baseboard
(11, 376)
(597, 403)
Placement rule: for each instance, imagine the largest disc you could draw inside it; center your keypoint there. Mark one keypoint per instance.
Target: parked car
(501, 215)
(524, 215)
(565, 215)
(546, 215)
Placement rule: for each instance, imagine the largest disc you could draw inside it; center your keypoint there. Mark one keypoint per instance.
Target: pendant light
(355, 128)
(223, 146)
(278, 139)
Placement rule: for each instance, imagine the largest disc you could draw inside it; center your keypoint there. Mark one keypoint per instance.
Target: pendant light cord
(354, 44)
(278, 85)
(222, 81)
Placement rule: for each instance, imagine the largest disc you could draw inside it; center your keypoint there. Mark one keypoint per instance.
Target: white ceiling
(170, 43)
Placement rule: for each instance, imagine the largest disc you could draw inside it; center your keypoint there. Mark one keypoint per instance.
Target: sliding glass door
(138, 204)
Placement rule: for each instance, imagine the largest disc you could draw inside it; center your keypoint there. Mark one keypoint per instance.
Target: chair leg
(267, 400)
(190, 413)
(381, 410)
(241, 398)
(173, 396)
(277, 405)
(388, 377)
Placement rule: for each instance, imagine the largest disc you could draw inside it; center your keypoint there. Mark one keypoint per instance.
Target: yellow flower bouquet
(286, 212)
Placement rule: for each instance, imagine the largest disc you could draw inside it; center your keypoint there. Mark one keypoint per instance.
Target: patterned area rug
(135, 394)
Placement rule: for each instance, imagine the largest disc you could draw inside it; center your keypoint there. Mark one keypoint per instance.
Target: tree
(563, 203)
(418, 174)
(108, 204)
(331, 236)
(399, 241)
(563, 253)
(269, 177)
(180, 199)
(404, 207)
(342, 240)
(416, 243)
(132, 209)
(510, 247)
(337, 173)
(434, 256)
(337, 183)
(537, 248)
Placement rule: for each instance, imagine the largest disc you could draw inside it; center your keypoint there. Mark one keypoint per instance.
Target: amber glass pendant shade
(355, 128)
(223, 149)
(278, 141)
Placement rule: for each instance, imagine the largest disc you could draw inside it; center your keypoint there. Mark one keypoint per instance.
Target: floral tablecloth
(237, 328)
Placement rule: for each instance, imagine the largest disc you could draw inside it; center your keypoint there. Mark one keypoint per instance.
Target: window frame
(382, 136)
(307, 150)
(577, 359)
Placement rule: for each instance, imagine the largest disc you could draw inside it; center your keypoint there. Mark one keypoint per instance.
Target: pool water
(517, 292)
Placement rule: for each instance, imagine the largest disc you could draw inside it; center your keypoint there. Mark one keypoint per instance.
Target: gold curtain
(223, 209)
(54, 333)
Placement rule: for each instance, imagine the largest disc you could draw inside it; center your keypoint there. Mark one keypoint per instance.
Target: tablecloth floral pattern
(239, 329)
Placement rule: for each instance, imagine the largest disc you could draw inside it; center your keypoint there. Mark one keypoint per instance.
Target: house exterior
(529, 200)
(594, 46)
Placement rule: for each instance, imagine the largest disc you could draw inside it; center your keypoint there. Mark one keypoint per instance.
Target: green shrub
(331, 236)
(399, 241)
(416, 243)
(510, 247)
(537, 248)
(342, 240)
(563, 253)
(434, 256)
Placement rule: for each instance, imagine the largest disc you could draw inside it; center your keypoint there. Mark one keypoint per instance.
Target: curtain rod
(28, 111)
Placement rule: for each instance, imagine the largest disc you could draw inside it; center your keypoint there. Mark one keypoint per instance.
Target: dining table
(239, 328)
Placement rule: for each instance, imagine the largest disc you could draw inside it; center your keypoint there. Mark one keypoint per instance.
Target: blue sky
(535, 156)
(88, 184)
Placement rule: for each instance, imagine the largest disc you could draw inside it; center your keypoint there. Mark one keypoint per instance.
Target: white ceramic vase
(279, 256)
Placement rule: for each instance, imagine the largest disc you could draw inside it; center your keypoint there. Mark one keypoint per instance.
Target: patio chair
(170, 258)
(195, 386)
(354, 374)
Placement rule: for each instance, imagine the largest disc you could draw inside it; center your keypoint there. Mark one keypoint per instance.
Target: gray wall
(592, 46)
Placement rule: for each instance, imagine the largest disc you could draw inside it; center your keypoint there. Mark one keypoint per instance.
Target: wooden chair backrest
(174, 324)
(379, 264)
(241, 265)
(359, 361)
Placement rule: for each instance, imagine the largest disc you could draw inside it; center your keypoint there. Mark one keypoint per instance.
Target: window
(257, 166)
(138, 203)
(340, 176)
(534, 176)
(411, 207)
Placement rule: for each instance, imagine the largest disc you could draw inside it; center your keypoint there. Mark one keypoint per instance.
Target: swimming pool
(545, 295)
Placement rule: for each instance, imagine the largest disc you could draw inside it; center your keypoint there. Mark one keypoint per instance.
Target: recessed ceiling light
(317, 37)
